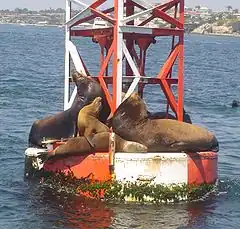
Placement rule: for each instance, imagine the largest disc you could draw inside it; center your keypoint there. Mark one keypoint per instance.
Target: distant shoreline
(218, 34)
(38, 25)
(62, 26)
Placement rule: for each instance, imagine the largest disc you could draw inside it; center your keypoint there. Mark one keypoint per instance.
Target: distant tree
(229, 8)
(60, 10)
(17, 10)
(5, 11)
(25, 10)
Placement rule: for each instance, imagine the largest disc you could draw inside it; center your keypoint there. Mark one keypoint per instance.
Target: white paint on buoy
(156, 168)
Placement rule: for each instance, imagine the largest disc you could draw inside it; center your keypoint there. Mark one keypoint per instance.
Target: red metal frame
(107, 39)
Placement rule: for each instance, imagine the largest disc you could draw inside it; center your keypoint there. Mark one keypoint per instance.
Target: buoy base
(168, 172)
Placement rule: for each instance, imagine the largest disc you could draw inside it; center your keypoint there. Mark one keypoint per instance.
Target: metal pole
(67, 56)
(117, 58)
(181, 66)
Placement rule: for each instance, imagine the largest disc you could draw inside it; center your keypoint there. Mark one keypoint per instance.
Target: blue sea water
(31, 87)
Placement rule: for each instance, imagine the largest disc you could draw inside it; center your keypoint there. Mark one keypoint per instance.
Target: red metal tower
(118, 41)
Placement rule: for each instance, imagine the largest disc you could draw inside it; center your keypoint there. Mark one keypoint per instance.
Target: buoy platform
(168, 172)
(124, 41)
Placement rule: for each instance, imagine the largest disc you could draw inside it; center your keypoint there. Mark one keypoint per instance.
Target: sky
(46, 4)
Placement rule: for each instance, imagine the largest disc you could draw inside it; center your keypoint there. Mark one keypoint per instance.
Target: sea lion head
(95, 107)
(133, 107)
(235, 103)
(82, 82)
(135, 99)
(97, 103)
(87, 88)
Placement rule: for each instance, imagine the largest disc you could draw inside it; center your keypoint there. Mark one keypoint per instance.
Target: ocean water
(31, 87)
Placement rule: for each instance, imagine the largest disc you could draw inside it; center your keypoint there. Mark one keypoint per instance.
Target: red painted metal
(89, 18)
(115, 57)
(100, 76)
(94, 166)
(181, 68)
(97, 3)
(169, 63)
(202, 168)
(173, 45)
(103, 16)
(135, 35)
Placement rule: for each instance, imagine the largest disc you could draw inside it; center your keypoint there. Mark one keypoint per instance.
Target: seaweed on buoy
(125, 191)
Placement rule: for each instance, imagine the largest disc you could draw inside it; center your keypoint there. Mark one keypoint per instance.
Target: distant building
(236, 15)
(203, 10)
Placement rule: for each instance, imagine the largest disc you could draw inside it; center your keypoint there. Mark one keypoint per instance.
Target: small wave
(230, 187)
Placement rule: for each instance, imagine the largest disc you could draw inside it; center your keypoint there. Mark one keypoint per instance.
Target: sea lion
(131, 122)
(88, 89)
(60, 125)
(89, 126)
(155, 115)
(63, 124)
(88, 123)
(81, 145)
(94, 135)
(235, 103)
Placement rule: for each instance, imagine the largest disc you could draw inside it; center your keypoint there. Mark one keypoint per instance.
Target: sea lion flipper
(177, 144)
(89, 139)
(125, 146)
(133, 147)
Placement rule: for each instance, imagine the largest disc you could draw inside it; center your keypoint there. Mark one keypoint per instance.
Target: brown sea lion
(155, 115)
(131, 122)
(81, 146)
(88, 123)
(94, 135)
(63, 124)
(89, 126)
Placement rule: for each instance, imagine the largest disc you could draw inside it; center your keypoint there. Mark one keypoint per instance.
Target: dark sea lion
(63, 124)
(131, 122)
(235, 103)
(81, 145)
(88, 89)
(60, 125)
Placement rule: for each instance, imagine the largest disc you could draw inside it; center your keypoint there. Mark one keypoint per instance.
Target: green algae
(125, 191)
